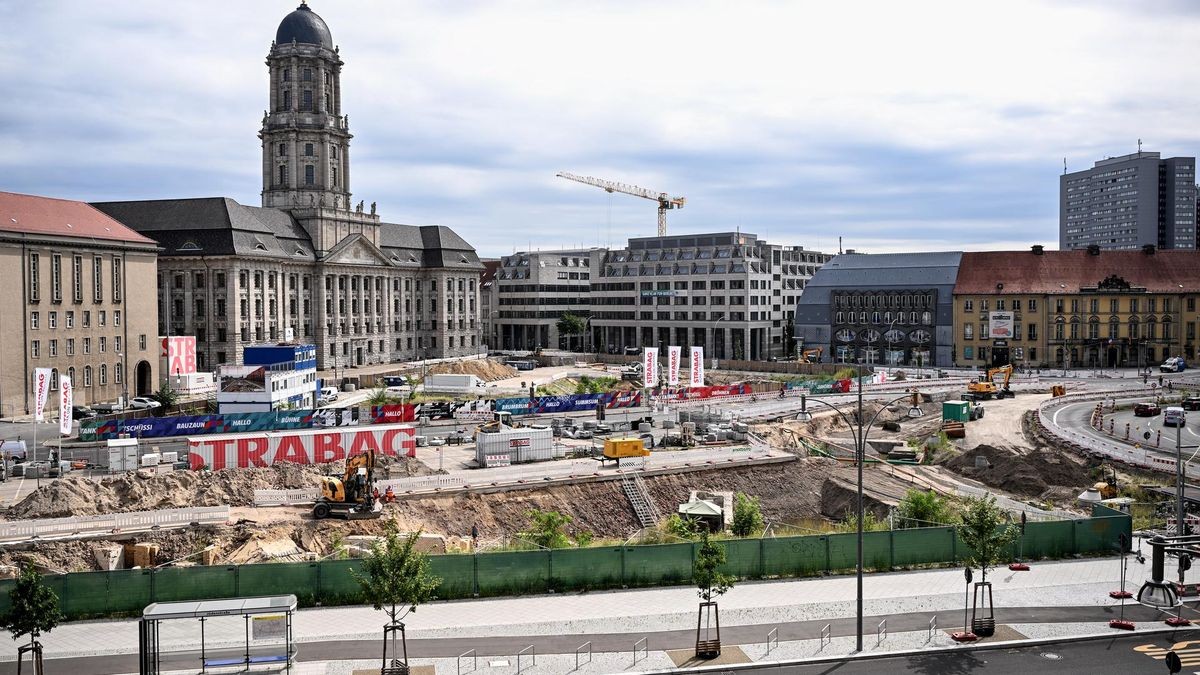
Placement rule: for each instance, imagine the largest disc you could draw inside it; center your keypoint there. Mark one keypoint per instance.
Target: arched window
(1133, 328)
(54, 380)
(1151, 329)
(87, 376)
(1059, 327)
(71, 374)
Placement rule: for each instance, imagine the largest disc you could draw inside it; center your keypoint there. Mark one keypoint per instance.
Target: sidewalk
(1070, 598)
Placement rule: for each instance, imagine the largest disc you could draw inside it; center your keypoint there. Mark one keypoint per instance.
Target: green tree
(379, 396)
(923, 508)
(167, 396)
(570, 324)
(706, 574)
(986, 534)
(547, 529)
(33, 610)
(747, 515)
(680, 526)
(396, 579)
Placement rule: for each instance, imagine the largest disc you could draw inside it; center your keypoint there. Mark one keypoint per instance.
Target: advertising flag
(650, 366)
(41, 390)
(64, 405)
(697, 371)
(673, 356)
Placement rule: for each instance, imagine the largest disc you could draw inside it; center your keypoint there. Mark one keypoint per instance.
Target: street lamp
(124, 379)
(860, 441)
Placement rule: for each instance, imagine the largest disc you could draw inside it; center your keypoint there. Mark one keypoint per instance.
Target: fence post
(762, 557)
(891, 550)
(475, 573)
(828, 560)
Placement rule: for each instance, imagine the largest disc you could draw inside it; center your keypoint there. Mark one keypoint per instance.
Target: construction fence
(329, 582)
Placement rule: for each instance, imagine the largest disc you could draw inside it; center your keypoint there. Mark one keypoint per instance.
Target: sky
(897, 126)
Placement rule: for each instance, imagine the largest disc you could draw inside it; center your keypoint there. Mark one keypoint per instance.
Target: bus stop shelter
(266, 640)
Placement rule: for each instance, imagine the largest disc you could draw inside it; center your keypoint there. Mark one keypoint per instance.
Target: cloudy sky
(896, 125)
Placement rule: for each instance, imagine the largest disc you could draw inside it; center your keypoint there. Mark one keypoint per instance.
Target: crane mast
(665, 202)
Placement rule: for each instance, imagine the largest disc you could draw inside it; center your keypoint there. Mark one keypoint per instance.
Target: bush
(922, 508)
(747, 515)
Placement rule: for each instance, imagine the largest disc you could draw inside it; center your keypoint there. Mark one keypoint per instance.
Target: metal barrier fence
(113, 523)
(329, 582)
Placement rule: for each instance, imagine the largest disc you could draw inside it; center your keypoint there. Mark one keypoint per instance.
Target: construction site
(801, 472)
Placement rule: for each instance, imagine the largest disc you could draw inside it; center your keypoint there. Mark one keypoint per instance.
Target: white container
(150, 459)
(522, 445)
(170, 457)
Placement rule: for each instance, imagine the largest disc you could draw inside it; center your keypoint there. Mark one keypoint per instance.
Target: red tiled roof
(31, 214)
(1069, 271)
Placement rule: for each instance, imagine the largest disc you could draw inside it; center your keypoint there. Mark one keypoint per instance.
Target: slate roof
(34, 215)
(1069, 271)
(887, 270)
(304, 26)
(215, 226)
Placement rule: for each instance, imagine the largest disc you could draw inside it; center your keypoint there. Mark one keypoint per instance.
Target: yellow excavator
(811, 355)
(353, 495)
(985, 388)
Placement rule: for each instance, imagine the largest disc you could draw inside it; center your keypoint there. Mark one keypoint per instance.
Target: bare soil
(1047, 474)
(485, 369)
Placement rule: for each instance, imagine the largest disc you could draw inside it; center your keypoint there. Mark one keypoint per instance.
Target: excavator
(351, 496)
(985, 388)
(811, 355)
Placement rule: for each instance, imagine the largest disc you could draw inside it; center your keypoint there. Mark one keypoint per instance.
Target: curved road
(1077, 417)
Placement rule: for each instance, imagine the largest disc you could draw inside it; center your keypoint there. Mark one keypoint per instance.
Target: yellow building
(1081, 308)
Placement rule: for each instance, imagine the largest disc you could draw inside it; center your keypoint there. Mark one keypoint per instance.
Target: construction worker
(389, 495)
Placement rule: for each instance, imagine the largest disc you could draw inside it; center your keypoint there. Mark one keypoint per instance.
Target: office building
(532, 290)
(1128, 202)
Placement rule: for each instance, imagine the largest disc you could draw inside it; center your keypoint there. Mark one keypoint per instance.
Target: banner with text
(673, 356)
(569, 403)
(698, 393)
(697, 370)
(41, 392)
(66, 400)
(650, 366)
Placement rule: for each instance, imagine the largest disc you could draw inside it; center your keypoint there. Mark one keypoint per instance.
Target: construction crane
(664, 202)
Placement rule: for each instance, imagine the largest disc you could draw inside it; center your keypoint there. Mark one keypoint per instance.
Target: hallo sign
(316, 446)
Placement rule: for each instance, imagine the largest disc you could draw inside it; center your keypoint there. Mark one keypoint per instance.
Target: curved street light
(860, 440)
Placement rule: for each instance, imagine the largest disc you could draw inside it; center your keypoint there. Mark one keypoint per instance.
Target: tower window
(283, 178)
(326, 78)
(333, 173)
(306, 103)
(328, 107)
(333, 151)
(287, 74)
(283, 149)
(308, 75)
(287, 100)
(310, 175)
(308, 149)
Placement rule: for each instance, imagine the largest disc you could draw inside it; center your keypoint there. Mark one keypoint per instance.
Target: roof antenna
(1139, 146)
(839, 245)
(1064, 166)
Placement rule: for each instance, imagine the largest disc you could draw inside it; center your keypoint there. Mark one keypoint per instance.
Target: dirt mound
(485, 369)
(1034, 474)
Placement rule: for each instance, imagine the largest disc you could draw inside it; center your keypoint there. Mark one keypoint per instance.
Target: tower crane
(664, 202)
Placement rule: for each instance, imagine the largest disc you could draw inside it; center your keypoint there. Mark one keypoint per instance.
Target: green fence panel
(843, 551)
(457, 573)
(1098, 535)
(513, 573)
(87, 594)
(794, 556)
(584, 568)
(658, 564)
(1048, 539)
(337, 584)
(196, 583)
(922, 546)
(129, 591)
(743, 557)
(298, 578)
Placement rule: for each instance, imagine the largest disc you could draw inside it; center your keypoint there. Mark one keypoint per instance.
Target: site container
(306, 446)
(956, 411)
(521, 444)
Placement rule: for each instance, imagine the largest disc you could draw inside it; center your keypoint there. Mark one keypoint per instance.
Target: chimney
(1093, 249)
(1148, 249)
(1037, 249)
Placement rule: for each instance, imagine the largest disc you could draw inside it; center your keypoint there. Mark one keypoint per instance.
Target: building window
(117, 344)
(308, 150)
(34, 260)
(35, 350)
(310, 175)
(1032, 305)
(52, 319)
(53, 348)
(968, 331)
(306, 101)
(142, 342)
(56, 277)
(116, 317)
(102, 316)
(103, 343)
(87, 376)
(287, 99)
(34, 320)
(98, 278)
(87, 345)
(70, 346)
(70, 319)
(968, 353)
(117, 373)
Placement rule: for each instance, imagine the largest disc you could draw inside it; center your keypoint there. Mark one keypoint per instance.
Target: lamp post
(124, 379)
(889, 336)
(860, 440)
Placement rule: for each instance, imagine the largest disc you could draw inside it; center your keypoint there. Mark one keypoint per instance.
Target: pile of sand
(485, 369)
(1039, 473)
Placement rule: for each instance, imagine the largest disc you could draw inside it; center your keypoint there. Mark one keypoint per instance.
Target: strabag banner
(650, 366)
(315, 446)
(66, 400)
(41, 392)
(673, 356)
(697, 370)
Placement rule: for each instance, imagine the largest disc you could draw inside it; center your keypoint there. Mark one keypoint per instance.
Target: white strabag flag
(65, 401)
(650, 366)
(41, 391)
(674, 354)
(697, 371)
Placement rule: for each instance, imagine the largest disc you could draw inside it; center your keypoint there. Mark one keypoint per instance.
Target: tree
(922, 508)
(379, 396)
(396, 579)
(747, 515)
(570, 324)
(682, 527)
(984, 532)
(33, 611)
(167, 396)
(547, 529)
(710, 583)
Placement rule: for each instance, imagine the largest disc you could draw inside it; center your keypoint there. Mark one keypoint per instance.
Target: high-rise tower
(305, 137)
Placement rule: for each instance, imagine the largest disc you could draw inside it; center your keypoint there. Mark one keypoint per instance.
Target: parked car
(1174, 416)
(1147, 410)
(1191, 403)
(143, 403)
(402, 390)
(82, 412)
(14, 451)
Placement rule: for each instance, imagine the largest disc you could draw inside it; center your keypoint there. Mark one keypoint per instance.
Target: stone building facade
(79, 299)
(309, 264)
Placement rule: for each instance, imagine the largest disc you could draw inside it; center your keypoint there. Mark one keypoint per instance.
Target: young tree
(379, 396)
(33, 611)
(710, 583)
(981, 530)
(922, 508)
(168, 397)
(396, 579)
(570, 324)
(747, 515)
(547, 529)
(679, 526)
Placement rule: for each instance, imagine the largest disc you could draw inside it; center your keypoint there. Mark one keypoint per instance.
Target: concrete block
(110, 558)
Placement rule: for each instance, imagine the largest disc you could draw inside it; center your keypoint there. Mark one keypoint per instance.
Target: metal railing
(772, 639)
(932, 628)
(532, 653)
(474, 661)
(579, 650)
(881, 632)
(286, 497)
(826, 637)
(112, 523)
(645, 646)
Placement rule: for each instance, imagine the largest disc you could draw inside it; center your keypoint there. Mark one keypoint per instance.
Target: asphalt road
(1077, 416)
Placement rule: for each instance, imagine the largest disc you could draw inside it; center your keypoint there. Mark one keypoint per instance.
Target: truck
(450, 383)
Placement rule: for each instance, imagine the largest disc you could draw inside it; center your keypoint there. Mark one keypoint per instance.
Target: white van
(328, 394)
(1174, 416)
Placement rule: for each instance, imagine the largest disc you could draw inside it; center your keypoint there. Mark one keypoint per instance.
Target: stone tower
(305, 138)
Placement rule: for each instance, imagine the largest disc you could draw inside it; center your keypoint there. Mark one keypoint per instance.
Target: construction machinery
(353, 495)
(616, 449)
(985, 388)
(811, 355)
(500, 420)
(665, 203)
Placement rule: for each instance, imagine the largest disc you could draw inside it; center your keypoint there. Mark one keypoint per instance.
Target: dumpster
(956, 411)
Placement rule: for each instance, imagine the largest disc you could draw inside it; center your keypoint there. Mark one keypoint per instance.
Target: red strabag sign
(306, 446)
